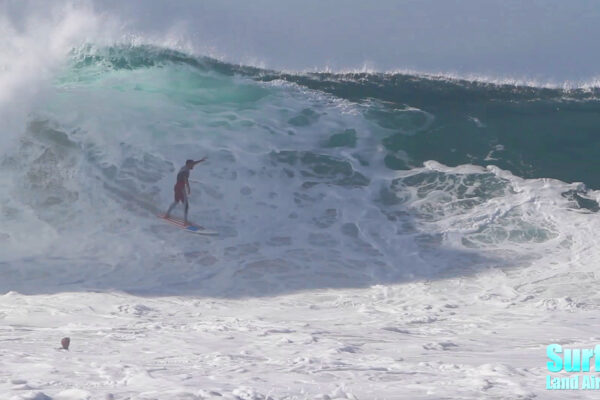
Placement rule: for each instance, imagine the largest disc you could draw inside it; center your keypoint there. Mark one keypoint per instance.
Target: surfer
(182, 187)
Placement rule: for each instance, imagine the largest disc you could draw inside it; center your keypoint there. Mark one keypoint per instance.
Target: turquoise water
(532, 132)
(312, 180)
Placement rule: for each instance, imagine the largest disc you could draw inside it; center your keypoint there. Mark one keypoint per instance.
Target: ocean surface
(375, 175)
(389, 183)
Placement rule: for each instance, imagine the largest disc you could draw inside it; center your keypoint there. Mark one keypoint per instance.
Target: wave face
(533, 132)
(313, 180)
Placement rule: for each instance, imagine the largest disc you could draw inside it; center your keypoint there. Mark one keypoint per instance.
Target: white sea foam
(323, 282)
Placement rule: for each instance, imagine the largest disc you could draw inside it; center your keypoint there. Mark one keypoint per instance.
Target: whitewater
(381, 235)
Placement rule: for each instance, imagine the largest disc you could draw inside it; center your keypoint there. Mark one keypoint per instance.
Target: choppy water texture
(313, 180)
(373, 230)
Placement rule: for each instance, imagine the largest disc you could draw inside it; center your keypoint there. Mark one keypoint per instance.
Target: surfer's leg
(170, 209)
(186, 206)
(179, 196)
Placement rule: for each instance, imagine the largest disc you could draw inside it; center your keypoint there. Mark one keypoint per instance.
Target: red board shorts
(180, 195)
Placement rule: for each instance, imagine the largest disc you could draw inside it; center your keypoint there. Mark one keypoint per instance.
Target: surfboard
(192, 228)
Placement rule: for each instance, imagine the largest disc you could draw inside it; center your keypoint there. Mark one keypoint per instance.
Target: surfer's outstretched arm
(187, 181)
(200, 160)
